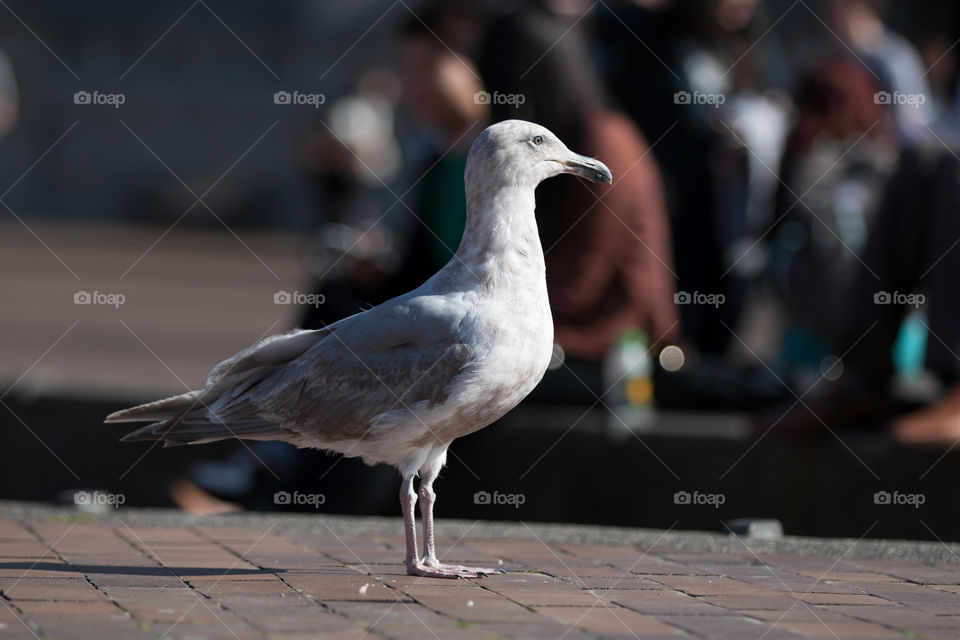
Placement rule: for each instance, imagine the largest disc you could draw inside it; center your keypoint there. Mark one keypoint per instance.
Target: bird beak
(587, 168)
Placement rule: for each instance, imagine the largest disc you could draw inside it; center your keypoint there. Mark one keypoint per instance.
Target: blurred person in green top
(441, 90)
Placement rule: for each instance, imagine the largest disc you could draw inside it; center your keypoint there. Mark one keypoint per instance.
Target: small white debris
(363, 590)
(469, 603)
(499, 560)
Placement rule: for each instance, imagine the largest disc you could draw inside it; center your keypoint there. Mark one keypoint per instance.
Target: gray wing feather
(337, 395)
(404, 352)
(329, 384)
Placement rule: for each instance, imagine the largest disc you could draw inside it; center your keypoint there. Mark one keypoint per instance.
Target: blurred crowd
(780, 236)
(780, 217)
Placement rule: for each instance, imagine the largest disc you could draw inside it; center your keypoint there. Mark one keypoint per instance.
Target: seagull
(398, 383)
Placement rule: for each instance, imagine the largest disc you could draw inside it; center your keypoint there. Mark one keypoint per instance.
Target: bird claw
(451, 571)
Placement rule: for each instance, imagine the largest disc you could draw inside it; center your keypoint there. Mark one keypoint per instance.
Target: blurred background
(758, 319)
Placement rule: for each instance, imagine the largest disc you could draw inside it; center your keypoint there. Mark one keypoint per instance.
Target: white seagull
(398, 383)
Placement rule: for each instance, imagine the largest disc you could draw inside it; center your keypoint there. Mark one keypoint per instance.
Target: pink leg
(430, 565)
(408, 501)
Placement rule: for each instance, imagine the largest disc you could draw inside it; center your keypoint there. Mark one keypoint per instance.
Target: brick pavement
(64, 575)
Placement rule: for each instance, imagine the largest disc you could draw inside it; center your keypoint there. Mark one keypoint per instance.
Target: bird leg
(408, 501)
(430, 565)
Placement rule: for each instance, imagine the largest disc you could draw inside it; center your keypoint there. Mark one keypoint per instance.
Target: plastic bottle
(628, 379)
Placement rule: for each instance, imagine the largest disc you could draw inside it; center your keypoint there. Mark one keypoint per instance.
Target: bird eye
(538, 140)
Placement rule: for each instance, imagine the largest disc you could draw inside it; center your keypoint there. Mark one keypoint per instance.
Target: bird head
(525, 154)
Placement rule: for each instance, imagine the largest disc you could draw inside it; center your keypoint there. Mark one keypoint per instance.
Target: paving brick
(927, 575)
(216, 630)
(29, 591)
(199, 612)
(870, 577)
(709, 585)
(23, 549)
(706, 557)
(778, 601)
(901, 618)
(594, 583)
(540, 590)
(326, 588)
(610, 620)
(102, 607)
(833, 630)
(10, 529)
(801, 612)
(798, 587)
(84, 627)
(215, 588)
(649, 565)
(405, 620)
(546, 629)
(158, 579)
(949, 588)
(588, 571)
(472, 603)
(662, 602)
(917, 597)
(232, 574)
(728, 627)
(843, 598)
(353, 633)
(304, 619)
(249, 601)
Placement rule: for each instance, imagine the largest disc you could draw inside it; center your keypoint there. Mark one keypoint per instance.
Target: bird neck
(500, 240)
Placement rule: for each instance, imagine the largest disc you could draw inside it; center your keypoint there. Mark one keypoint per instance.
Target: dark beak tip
(589, 168)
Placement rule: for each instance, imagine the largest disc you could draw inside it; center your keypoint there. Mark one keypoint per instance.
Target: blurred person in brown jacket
(607, 247)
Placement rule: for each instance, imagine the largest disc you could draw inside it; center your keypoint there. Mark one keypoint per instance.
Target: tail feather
(162, 410)
(184, 419)
(174, 432)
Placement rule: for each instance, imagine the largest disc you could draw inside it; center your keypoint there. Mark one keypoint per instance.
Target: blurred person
(909, 265)
(840, 151)
(895, 63)
(705, 80)
(939, 57)
(9, 96)
(350, 159)
(607, 248)
(439, 87)
(702, 74)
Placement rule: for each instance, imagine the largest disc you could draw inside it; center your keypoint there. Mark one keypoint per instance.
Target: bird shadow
(135, 571)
